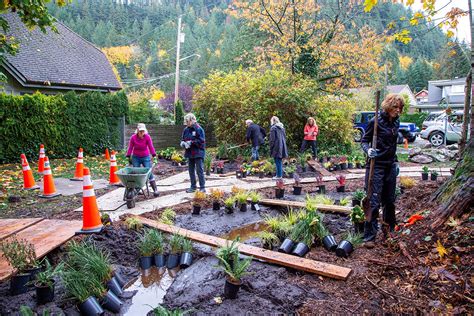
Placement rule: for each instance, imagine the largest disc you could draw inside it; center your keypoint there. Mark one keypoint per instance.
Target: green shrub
(416, 118)
(179, 119)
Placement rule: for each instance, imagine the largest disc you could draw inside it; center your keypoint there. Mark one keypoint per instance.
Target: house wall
(435, 93)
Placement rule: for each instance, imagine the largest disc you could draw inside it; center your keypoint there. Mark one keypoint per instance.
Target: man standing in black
(255, 135)
(386, 165)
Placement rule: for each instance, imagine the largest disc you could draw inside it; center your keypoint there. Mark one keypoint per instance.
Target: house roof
(421, 92)
(62, 60)
(397, 88)
(448, 82)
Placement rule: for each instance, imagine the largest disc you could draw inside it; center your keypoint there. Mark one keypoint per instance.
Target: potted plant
(198, 202)
(324, 156)
(157, 242)
(208, 163)
(187, 256)
(176, 159)
(220, 167)
(328, 240)
(327, 165)
(341, 179)
(279, 226)
(358, 161)
(357, 217)
(303, 162)
(406, 183)
(280, 189)
(21, 255)
(345, 201)
(254, 197)
(241, 199)
(302, 235)
(347, 245)
(229, 204)
(229, 252)
(297, 186)
(175, 250)
(145, 245)
(434, 175)
(167, 216)
(290, 170)
(268, 239)
(216, 196)
(319, 183)
(45, 282)
(343, 162)
(82, 289)
(287, 245)
(235, 270)
(239, 172)
(350, 162)
(424, 173)
(357, 197)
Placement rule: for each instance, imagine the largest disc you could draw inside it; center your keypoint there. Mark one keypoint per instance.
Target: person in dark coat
(255, 135)
(194, 143)
(278, 149)
(385, 167)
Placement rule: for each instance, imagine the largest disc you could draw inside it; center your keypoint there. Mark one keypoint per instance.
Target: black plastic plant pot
(243, 207)
(359, 228)
(238, 174)
(229, 209)
(350, 165)
(111, 302)
(120, 279)
(261, 175)
(173, 261)
(244, 174)
(216, 206)
(297, 190)
(321, 189)
(434, 177)
(160, 260)
(186, 260)
(208, 172)
(19, 283)
(300, 250)
(44, 294)
(279, 193)
(329, 243)
(341, 188)
(358, 165)
(343, 166)
(220, 170)
(231, 289)
(146, 262)
(114, 286)
(337, 167)
(32, 272)
(196, 209)
(287, 246)
(91, 307)
(254, 206)
(303, 169)
(355, 202)
(424, 176)
(344, 249)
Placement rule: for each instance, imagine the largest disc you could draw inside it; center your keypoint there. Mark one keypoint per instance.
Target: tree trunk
(466, 117)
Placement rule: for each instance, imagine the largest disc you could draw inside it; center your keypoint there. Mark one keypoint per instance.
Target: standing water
(246, 232)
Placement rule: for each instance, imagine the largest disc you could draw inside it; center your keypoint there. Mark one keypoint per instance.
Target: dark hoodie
(277, 141)
(387, 134)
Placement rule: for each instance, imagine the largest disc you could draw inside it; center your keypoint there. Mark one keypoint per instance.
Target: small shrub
(357, 215)
(133, 223)
(407, 182)
(19, 253)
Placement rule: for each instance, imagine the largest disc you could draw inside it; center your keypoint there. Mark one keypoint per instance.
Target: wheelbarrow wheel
(131, 203)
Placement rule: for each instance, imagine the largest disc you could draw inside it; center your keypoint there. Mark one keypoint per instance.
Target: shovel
(366, 200)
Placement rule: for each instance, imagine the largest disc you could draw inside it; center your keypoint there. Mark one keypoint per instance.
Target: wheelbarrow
(134, 180)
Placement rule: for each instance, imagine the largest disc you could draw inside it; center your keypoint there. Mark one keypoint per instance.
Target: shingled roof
(57, 60)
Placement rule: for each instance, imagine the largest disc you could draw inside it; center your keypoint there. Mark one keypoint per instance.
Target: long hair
(392, 100)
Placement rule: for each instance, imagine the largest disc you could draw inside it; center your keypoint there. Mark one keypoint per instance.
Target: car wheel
(436, 139)
(358, 134)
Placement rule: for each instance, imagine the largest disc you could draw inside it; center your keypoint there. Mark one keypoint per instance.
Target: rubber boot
(155, 189)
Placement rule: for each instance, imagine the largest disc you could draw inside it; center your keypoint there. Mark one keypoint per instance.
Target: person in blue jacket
(193, 141)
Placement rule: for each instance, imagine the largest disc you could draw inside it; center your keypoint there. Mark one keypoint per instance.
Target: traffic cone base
(49, 195)
(35, 187)
(91, 222)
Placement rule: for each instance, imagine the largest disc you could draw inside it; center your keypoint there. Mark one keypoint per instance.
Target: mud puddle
(151, 287)
(246, 232)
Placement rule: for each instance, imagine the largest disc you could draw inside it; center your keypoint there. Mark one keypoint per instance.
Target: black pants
(311, 143)
(196, 165)
(383, 194)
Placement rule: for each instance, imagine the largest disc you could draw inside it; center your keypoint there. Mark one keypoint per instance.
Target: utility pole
(471, 22)
(179, 40)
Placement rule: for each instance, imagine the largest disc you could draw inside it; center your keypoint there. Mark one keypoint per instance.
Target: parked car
(434, 132)
(438, 118)
(361, 120)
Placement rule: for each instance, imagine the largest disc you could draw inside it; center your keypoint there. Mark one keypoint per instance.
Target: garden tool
(237, 146)
(366, 200)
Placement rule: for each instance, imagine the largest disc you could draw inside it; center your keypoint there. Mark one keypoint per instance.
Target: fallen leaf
(218, 300)
(441, 250)
(427, 238)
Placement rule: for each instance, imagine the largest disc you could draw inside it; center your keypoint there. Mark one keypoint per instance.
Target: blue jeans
(255, 155)
(143, 161)
(279, 167)
(196, 165)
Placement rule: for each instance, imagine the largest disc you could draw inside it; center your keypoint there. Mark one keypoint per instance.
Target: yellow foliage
(441, 250)
(369, 4)
(405, 61)
(157, 95)
(407, 182)
(119, 54)
(162, 53)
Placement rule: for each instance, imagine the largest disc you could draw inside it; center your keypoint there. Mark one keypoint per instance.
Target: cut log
(312, 266)
(321, 207)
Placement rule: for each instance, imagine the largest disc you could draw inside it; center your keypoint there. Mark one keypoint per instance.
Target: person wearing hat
(139, 149)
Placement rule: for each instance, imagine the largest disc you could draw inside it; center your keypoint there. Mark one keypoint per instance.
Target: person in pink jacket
(139, 149)
(310, 132)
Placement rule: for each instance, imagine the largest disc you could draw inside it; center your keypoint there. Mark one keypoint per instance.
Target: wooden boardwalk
(44, 234)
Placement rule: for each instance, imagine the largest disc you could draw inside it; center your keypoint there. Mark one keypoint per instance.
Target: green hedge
(63, 123)
(416, 118)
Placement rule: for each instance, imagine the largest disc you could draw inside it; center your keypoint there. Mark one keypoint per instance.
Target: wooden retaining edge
(321, 207)
(312, 266)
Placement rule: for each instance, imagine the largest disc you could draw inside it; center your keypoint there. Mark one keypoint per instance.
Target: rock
(437, 156)
(424, 159)
(426, 145)
(453, 147)
(414, 151)
(448, 153)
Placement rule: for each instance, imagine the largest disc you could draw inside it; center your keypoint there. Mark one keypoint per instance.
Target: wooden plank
(312, 266)
(45, 236)
(321, 207)
(317, 167)
(10, 226)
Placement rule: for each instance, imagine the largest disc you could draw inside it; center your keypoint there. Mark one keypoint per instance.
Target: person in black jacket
(255, 135)
(385, 167)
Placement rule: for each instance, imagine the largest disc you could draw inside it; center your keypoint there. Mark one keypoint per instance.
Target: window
(457, 89)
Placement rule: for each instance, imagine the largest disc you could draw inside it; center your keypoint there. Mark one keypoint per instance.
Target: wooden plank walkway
(45, 235)
(321, 207)
(317, 267)
(10, 226)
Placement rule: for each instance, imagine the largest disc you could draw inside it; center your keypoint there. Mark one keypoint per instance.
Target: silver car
(434, 132)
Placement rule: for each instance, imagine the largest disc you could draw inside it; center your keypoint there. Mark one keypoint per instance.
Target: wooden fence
(164, 136)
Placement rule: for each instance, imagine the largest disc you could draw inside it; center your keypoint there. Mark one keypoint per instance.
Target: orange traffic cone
(49, 189)
(91, 222)
(114, 179)
(28, 179)
(405, 143)
(79, 166)
(41, 159)
(107, 155)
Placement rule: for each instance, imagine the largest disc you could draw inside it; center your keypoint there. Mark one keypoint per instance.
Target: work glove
(187, 144)
(182, 144)
(372, 153)
(129, 160)
(155, 160)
